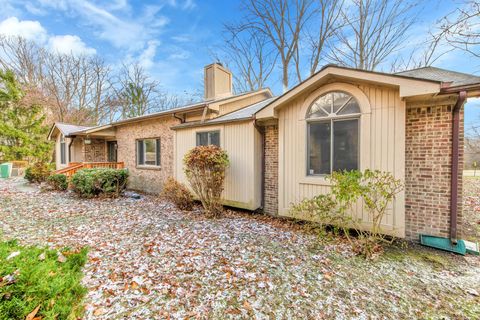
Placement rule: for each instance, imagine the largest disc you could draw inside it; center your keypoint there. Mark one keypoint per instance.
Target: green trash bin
(5, 170)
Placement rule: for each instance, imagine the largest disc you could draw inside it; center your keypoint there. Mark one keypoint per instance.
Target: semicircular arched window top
(333, 134)
(333, 104)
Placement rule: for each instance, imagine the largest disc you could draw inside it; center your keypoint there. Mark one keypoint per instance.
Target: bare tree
(423, 55)
(79, 85)
(248, 53)
(326, 24)
(282, 22)
(25, 58)
(461, 28)
(374, 29)
(72, 88)
(136, 93)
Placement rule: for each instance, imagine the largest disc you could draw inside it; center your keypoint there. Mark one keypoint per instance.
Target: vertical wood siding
(241, 141)
(382, 146)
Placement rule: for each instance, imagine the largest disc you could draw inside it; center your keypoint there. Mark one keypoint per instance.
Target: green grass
(48, 283)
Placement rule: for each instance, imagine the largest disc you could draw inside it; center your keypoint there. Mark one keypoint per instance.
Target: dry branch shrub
(177, 193)
(38, 172)
(205, 170)
(376, 189)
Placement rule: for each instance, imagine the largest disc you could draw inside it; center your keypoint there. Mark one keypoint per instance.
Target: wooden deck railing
(73, 167)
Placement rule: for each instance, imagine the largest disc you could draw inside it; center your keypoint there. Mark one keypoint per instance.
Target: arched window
(333, 134)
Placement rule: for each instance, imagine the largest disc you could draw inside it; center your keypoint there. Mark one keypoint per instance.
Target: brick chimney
(217, 81)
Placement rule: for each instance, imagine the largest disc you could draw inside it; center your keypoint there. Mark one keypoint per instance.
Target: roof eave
(208, 123)
(473, 90)
(408, 86)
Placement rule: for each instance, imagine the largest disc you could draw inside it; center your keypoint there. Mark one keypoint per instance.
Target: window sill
(143, 167)
(316, 180)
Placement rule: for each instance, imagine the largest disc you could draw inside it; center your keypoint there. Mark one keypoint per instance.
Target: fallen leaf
(99, 312)
(32, 314)
(13, 255)
(61, 258)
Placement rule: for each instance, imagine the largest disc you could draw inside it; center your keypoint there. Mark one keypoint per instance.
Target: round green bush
(99, 181)
(58, 182)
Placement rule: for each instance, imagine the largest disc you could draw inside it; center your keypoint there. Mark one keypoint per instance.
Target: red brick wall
(270, 205)
(428, 167)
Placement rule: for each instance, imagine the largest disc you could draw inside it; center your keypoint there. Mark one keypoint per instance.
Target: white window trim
(331, 117)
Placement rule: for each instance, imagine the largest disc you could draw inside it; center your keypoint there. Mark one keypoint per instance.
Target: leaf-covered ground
(148, 260)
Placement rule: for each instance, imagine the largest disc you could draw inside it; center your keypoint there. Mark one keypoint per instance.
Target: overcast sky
(172, 39)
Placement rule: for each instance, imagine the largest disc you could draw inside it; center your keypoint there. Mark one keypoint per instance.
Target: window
(333, 134)
(208, 137)
(148, 152)
(63, 150)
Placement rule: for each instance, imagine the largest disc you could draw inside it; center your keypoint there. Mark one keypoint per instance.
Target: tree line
(299, 36)
(81, 89)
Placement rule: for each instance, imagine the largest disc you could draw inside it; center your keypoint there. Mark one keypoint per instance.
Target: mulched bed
(148, 260)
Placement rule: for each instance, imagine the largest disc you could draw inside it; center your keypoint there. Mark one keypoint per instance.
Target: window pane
(345, 145)
(350, 108)
(202, 138)
(157, 155)
(63, 158)
(339, 99)
(321, 107)
(319, 148)
(140, 158)
(150, 154)
(215, 138)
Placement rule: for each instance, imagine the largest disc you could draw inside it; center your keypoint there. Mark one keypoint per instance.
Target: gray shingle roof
(68, 129)
(442, 75)
(243, 113)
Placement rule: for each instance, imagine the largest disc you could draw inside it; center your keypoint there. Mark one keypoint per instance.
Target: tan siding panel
(382, 147)
(243, 182)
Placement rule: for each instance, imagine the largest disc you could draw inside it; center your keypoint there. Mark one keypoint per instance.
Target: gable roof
(453, 78)
(67, 129)
(173, 111)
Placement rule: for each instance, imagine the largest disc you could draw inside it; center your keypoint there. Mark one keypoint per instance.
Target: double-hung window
(148, 152)
(333, 134)
(63, 150)
(208, 138)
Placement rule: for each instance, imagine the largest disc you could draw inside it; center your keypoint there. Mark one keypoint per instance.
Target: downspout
(70, 149)
(262, 134)
(182, 119)
(462, 96)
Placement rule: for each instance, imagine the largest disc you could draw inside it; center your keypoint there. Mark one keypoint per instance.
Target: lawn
(148, 260)
(40, 282)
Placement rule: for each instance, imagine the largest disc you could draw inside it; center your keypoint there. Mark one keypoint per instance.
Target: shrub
(205, 170)
(58, 182)
(99, 181)
(38, 172)
(377, 189)
(178, 194)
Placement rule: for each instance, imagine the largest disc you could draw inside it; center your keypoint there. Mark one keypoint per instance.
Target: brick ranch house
(281, 148)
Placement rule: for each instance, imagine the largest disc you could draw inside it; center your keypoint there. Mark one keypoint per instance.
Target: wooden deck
(73, 167)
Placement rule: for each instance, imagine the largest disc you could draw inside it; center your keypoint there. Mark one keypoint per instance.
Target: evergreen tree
(22, 129)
